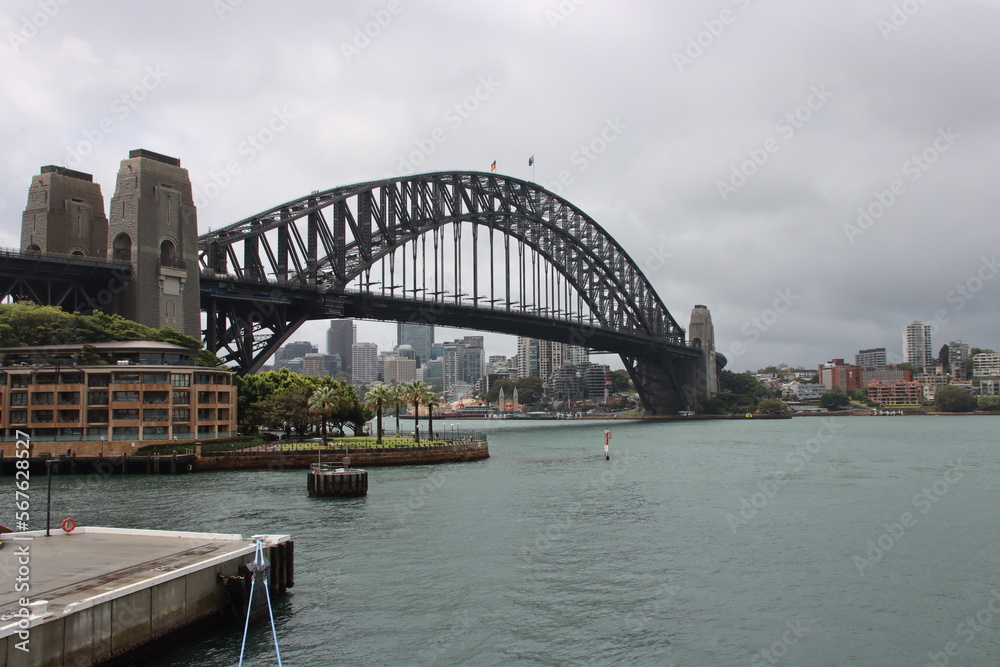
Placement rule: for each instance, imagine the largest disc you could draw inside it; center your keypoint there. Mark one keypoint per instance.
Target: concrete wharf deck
(112, 591)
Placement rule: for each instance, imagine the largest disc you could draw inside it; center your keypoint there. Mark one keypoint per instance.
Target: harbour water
(812, 541)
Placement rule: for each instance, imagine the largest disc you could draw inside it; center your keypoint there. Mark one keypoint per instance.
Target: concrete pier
(115, 592)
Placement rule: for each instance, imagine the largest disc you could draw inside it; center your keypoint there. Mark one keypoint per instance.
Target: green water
(813, 541)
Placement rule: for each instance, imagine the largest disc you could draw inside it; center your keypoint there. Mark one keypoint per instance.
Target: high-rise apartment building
(917, 347)
(958, 357)
(872, 360)
(364, 363)
(339, 339)
(418, 336)
(540, 358)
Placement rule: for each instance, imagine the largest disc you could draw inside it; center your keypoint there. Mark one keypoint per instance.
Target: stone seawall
(368, 457)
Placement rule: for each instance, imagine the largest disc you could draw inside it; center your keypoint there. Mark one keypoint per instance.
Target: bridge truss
(465, 249)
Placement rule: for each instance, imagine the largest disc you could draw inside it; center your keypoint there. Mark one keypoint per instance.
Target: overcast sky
(818, 174)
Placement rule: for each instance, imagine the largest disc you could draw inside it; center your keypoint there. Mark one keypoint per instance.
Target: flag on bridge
(493, 167)
(531, 161)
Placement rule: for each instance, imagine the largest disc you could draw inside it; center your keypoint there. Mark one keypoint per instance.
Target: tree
(954, 399)
(413, 392)
(288, 408)
(772, 407)
(398, 399)
(431, 400)
(24, 324)
(834, 400)
(989, 403)
(324, 402)
(493, 395)
(530, 389)
(620, 382)
(378, 397)
(943, 355)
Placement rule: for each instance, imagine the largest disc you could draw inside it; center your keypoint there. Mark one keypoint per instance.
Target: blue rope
(258, 559)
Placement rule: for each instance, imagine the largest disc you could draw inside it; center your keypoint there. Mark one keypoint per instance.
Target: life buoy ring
(68, 524)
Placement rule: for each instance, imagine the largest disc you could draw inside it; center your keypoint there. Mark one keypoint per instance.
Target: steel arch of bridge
(264, 276)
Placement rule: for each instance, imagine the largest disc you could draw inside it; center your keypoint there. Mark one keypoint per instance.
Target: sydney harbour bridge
(471, 250)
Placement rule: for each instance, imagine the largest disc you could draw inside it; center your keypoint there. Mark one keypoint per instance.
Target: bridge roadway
(259, 300)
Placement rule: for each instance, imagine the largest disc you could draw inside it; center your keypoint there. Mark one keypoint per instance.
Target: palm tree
(378, 397)
(397, 399)
(414, 393)
(431, 400)
(324, 402)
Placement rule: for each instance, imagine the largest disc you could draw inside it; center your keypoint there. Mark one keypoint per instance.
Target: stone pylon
(153, 224)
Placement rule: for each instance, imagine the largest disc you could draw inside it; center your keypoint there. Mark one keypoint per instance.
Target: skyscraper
(917, 349)
(418, 336)
(364, 363)
(339, 339)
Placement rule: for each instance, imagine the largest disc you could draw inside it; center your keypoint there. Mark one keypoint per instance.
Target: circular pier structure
(328, 480)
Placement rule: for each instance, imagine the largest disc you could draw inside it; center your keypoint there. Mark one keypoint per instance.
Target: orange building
(112, 397)
(897, 393)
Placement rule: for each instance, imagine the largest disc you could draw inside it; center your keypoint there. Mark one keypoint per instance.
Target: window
(19, 398)
(223, 397)
(20, 381)
(127, 378)
(154, 415)
(206, 431)
(18, 416)
(97, 416)
(126, 396)
(122, 248)
(42, 398)
(182, 415)
(154, 378)
(69, 415)
(154, 397)
(98, 379)
(206, 414)
(69, 398)
(98, 432)
(46, 378)
(154, 432)
(180, 379)
(41, 416)
(182, 430)
(124, 432)
(203, 378)
(97, 397)
(71, 378)
(223, 414)
(182, 397)
(73, 432)
(130, 413)
(206, 397)
(168, 253)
